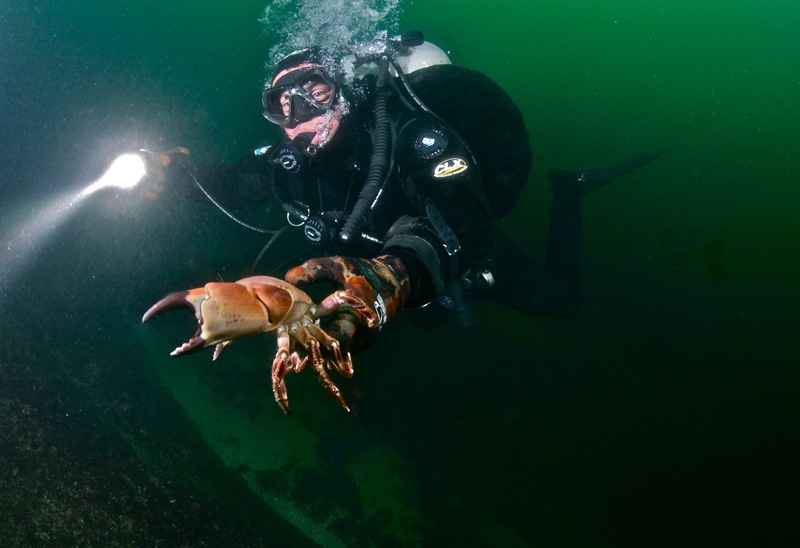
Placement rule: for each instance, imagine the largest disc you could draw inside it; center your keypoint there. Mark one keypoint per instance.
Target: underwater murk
(665, 413)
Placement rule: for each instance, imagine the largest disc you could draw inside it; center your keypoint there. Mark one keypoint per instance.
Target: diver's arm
(246, 184)
(451, 228)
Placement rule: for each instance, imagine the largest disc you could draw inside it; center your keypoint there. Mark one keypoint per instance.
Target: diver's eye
(320, 91)
(285, 103)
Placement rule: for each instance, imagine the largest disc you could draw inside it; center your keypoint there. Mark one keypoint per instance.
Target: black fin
(579, 183)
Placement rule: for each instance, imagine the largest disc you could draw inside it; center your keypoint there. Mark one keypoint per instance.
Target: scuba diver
(398, 179)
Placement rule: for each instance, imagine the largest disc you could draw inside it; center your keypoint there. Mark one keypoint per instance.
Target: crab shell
(228, 311)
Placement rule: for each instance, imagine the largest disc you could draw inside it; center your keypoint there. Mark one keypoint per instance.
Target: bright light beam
(28, 236)
(125, 172)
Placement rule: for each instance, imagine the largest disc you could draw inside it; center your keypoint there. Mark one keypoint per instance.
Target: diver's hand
(381, 283)
(159, 165)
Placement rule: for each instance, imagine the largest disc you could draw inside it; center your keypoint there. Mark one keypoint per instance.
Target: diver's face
(323, 126)
(317, 88)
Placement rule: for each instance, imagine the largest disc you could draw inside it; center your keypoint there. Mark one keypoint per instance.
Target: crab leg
(318, 362)
(283, 364)
(332, 302)
(342, 365)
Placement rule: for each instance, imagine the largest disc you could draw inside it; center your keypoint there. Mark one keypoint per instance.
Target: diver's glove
(382, 284)
(160, 168)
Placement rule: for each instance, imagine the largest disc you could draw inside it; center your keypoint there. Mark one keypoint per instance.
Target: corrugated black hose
(381, 155)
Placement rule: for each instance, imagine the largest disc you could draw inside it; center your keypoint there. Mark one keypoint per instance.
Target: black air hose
(381, 154)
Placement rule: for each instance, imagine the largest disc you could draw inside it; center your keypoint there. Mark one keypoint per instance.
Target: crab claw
(191, 300)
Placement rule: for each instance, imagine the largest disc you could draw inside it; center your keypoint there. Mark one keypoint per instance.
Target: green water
(665, 414)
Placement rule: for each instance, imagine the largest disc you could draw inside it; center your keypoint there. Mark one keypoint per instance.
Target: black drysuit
(454, 171)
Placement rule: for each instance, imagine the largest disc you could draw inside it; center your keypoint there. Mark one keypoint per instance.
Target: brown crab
(227, 311)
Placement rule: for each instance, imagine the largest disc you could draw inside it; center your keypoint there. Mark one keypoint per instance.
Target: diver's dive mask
(299, 96)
